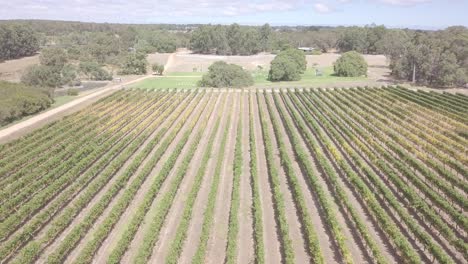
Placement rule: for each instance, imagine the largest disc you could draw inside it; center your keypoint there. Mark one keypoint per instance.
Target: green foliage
(53, 57)
(68, 74)
(350, 64)
(18, 100)
(40, 75)
(72, 92)
(438, 58)
(256, 200)
(155, 41)
(361, 39)
(157, 68)
(230, 40)
(221, 74)
(288, 66)
(94, 71)
(134, 63)
(17, 41)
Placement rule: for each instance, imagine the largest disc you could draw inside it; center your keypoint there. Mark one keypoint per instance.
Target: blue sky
(393, 13)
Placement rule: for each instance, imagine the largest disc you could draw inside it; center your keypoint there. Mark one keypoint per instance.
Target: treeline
(19, 100)
(17, 41)
(434, 58)
(438, 58)
(230, 40)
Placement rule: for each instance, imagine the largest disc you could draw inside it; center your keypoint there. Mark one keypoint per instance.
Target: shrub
(221, 74)
(350, 64)
(72, 92)
(288, 66)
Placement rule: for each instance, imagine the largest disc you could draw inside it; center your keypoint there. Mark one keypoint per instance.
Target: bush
(72, 92)
(350, 64)
(221, 74)
(288, 66)
(18, 100)
(314, 52)
(134, 63)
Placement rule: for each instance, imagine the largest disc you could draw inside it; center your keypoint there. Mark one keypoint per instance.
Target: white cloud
(404, 2)
(322, 8)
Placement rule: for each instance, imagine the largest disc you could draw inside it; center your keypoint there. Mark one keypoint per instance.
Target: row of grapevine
(231, 248)
(50, 131)
(389, 197)
(70, 241)
(259, 251)
(208, 214)
(60, 222)
(162, 208)
(330, 173)
(390, 173)
(278, 199)
(377, 211)
(177, 243)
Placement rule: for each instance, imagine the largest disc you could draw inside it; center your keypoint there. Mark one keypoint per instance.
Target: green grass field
(190, 79)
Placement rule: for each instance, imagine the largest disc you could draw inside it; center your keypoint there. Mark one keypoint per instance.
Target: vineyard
(362, 175)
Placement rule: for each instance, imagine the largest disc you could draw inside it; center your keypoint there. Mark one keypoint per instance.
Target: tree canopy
(288, 65)
(350, 64)
(230, 40)
(221, 74)
(134, 63)
(17, 40)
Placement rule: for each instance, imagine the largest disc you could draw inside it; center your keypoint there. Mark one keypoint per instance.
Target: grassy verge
(190, 79)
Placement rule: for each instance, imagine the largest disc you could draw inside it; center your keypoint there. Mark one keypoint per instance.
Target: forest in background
(432, 58)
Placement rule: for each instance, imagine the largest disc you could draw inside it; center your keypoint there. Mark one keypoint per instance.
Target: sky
(426, 14)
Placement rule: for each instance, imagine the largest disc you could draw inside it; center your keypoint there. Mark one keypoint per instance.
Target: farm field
(362, 175)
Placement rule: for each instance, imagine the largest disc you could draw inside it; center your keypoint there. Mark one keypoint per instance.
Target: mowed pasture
(362, 175)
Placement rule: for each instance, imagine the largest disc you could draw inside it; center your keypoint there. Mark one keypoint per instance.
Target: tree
(353, 38)
(265, 35)
(284, 69)
(43, 76)
(235, 38)
(393, 43)
(374, 34)
(221, 74)
(93, 71)
(297, 56)
(325, 39)
(158, 68)
(134, 63)
(68, 74)
(200, 41)
(438, 58)
(288, 66)
(53, 57)
(17, 41)
(350, 64)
